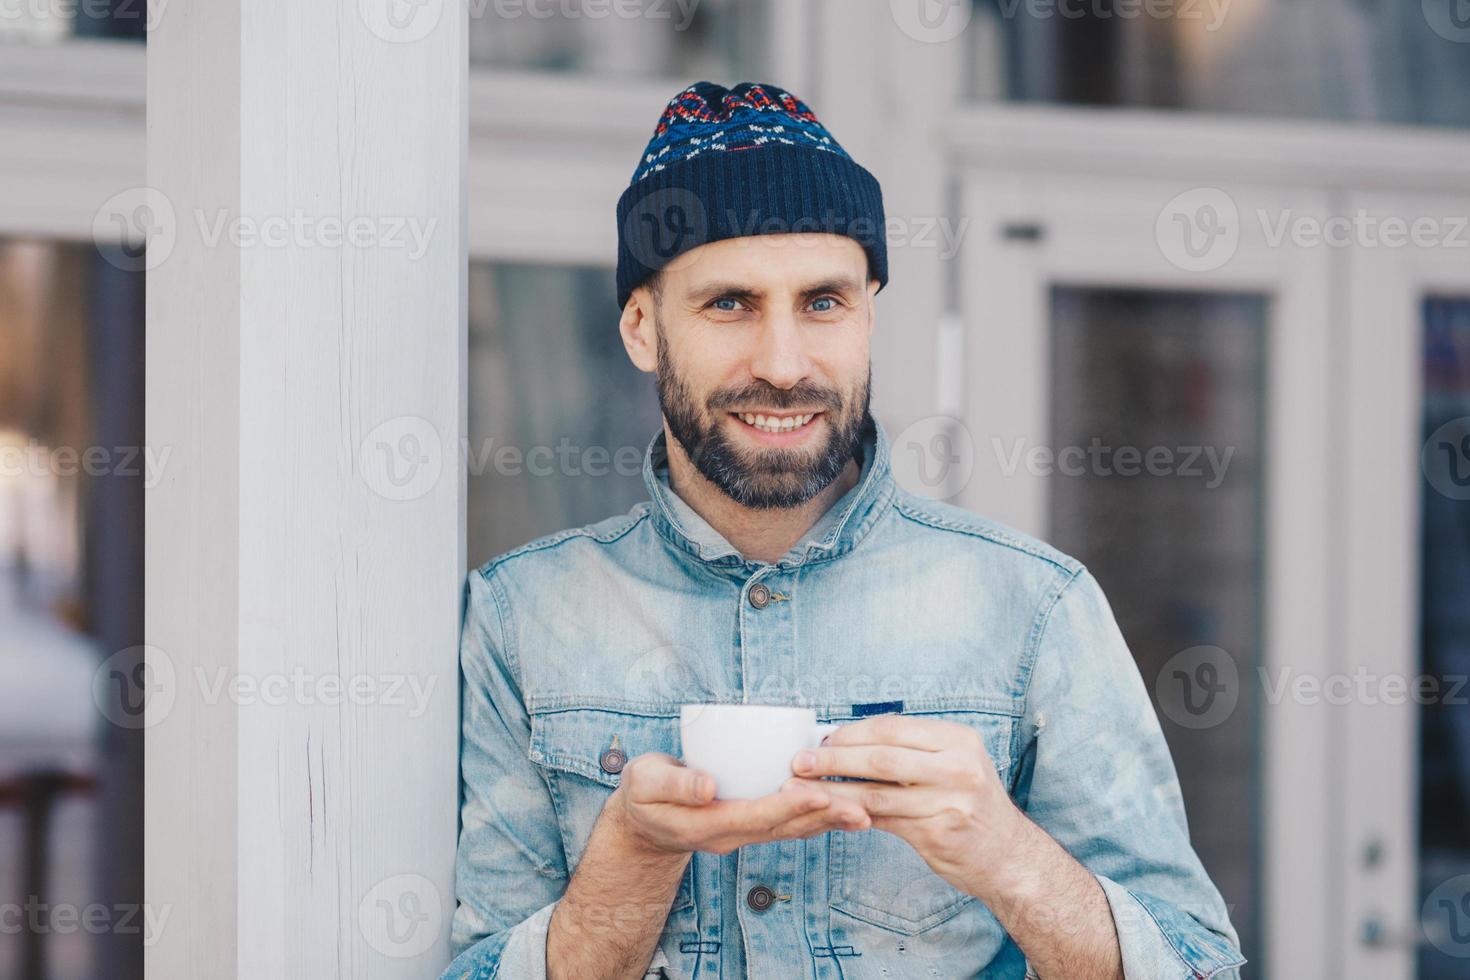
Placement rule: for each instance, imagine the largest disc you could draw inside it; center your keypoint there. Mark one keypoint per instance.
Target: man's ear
(873, 287)
(637, 328)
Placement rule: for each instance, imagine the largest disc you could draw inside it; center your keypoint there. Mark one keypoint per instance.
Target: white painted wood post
(305, 547)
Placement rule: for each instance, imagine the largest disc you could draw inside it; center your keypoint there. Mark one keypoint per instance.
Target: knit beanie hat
(749, 160)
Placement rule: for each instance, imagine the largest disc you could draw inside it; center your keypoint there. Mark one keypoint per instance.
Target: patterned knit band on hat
(749, 160)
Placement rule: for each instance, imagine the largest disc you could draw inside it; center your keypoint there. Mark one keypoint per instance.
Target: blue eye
(719, 304)
(831, 304)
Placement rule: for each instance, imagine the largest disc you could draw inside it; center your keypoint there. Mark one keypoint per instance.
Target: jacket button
(760, 595)
(612, 761)
(760, 898)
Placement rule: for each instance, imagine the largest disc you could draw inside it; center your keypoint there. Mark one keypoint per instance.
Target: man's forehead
(771, 263)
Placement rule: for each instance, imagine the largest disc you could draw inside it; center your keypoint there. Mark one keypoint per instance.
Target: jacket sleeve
(510, 869)
(1097, 776)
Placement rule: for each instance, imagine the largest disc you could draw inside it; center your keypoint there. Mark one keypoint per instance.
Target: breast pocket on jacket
(582, 751)
(879, 878)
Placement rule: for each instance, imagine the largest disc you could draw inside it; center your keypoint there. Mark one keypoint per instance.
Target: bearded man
(999, 801)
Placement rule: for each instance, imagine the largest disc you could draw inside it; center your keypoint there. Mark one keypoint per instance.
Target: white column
(305, 548)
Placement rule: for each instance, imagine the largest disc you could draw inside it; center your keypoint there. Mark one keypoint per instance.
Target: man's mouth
(776, 424)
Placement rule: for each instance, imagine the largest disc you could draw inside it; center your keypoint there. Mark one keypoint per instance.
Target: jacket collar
(835, 533)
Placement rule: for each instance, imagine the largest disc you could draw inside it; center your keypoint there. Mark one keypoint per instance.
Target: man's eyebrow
(740, 291)
(712, 290)
(841, 284)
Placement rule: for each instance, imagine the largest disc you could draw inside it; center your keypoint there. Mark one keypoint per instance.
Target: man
(1009, 807)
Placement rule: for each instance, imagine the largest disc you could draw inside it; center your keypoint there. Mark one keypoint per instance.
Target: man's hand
(670, 807)
(661, 813)
(931, 783)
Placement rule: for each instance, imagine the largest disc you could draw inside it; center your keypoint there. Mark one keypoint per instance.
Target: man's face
(763, 362)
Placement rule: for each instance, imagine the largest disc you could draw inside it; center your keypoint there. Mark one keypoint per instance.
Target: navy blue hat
(749, 160)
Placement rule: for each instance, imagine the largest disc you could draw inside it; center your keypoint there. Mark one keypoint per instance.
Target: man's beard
(764, 478)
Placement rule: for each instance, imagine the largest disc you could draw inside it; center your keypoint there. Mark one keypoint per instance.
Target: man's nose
(780, 356)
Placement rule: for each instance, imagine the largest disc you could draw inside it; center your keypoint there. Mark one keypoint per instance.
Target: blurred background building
(1095, 212)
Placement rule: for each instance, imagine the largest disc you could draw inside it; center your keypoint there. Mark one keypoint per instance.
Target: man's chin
(773, 479)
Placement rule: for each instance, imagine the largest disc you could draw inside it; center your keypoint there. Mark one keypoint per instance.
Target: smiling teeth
(774, 424)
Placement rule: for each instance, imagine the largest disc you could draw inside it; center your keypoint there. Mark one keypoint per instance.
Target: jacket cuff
(518, 953)
(1160, 942)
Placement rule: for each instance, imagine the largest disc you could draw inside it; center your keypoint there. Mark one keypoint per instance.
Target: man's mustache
(803, 395)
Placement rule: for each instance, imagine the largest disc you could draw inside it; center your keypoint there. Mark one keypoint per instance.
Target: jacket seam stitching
(506, 621)
(1032, 653)
(987, 534)
(562, 537)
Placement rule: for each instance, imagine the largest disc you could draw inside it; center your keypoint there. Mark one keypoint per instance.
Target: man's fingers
(794, 800)
(842, 811)
(658, 778)
(889, 800)
(838, 814)
(889, 763)
(906, 731)
(824, 822)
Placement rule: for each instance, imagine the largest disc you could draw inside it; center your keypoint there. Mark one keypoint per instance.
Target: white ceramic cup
(747, 748)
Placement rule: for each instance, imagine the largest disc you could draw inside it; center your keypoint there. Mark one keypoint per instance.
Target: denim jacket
(590, 639)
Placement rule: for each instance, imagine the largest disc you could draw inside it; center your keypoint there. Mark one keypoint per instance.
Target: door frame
(1380, 627)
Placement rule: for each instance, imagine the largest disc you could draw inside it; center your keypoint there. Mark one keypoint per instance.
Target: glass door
(1148, 372)
(1443, 821)
(1407, 617)
(1164, 392)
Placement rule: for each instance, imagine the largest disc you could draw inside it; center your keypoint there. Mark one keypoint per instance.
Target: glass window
(1401, 61)
(55, 20)
(72, 472)
(544, 453)
(1444, 739)
(720, 40)
(1157, 429)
